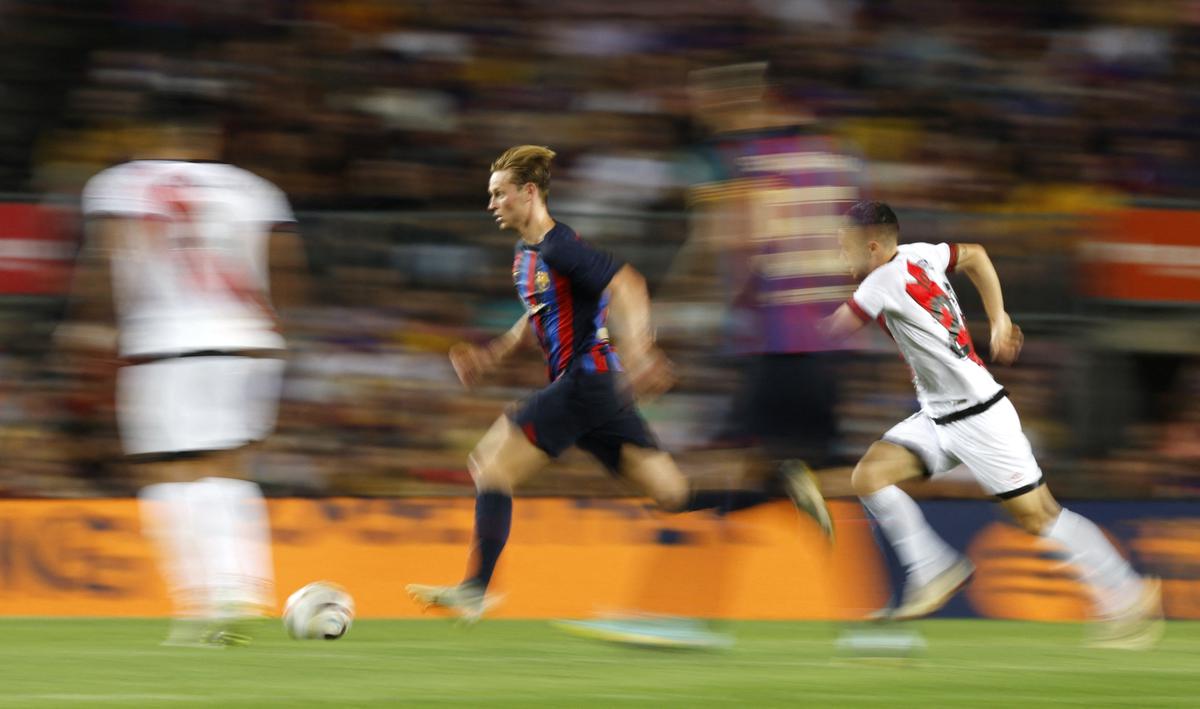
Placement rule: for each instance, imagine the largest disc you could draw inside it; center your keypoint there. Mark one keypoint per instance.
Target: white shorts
(193, 404)
(991, 444)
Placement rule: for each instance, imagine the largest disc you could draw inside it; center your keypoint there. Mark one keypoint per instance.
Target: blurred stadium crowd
(1017, 124)
(370, 103)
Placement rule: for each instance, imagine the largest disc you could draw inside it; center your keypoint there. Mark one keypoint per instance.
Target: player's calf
(1114, 585)
(1034, 511)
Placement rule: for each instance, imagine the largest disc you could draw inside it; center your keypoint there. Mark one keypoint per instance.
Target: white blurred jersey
(190, 274)
(921, 313)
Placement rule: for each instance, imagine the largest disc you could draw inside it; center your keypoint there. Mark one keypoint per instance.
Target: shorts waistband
(971, 410)
(251, 354)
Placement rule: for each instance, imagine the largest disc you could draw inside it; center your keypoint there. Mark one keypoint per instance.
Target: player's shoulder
(915, 249)
(560, 237)
(926, 254)
(114, 190)
(881, 278)
(120, 175)
(561, 233)
(264, 198)
(893, 270)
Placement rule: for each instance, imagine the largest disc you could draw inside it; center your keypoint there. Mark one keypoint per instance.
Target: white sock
(921, 551)
(236, 539)
(1114, 584)
(167, 522)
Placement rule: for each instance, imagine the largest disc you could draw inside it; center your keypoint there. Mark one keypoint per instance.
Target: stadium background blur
(1061, 135)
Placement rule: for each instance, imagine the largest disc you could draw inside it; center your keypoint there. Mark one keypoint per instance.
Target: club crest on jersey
(542, 281)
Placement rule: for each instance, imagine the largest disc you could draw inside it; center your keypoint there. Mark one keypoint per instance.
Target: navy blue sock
(723, 501)
(493, 519)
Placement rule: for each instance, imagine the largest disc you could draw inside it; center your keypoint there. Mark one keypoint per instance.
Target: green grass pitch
(972, 664)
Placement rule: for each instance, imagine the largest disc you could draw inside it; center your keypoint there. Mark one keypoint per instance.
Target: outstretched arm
(500, 348)
(1006, 337)
(843, 323)
(471, 362)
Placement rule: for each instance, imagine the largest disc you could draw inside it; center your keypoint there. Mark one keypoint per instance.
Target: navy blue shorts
(585, 410)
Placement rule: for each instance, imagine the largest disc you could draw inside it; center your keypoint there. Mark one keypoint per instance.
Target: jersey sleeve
(116, 192)
(943, 256)
(952, 257)
(871, 297)
(273, 204)
(588, 269)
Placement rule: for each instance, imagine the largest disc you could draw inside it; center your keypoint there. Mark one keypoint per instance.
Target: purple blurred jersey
(796, 186)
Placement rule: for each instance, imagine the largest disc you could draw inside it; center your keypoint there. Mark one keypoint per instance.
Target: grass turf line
(968, 663)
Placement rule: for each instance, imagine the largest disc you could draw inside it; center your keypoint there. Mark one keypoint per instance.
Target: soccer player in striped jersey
(568, 289)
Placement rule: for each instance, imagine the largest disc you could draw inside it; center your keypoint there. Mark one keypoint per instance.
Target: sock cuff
(1060, 524)
(493, 513)
(494, 499)
(884, 496)
(162, 492)
(222, 483)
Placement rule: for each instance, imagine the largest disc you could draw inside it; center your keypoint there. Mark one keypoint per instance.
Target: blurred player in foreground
(771, 190)
(965, 418)
(187, 241)
(568, 288)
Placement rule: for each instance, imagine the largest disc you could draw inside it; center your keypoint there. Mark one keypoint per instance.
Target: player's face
(855, 252)
(507, 202)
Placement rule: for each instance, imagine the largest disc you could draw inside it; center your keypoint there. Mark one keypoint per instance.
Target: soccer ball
(319, 611)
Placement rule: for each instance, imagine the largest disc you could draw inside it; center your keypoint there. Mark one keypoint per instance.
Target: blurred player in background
(965, 418)
(770, 188)
(568, 289)
(188, 240)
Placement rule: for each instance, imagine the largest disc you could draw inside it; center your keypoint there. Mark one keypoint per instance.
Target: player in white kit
(188, 242)
(965, 418)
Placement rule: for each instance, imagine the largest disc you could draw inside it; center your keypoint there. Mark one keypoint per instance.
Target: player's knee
(867, 479)
(671, 496)
(487, 477)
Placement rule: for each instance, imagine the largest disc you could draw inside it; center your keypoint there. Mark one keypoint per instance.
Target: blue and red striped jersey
(561, 282)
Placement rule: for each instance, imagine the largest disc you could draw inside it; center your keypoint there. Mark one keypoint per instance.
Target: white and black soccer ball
(320, 611)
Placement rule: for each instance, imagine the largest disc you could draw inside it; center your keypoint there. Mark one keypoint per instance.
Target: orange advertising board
(1148, 255)
(570, 558)
(566, 558)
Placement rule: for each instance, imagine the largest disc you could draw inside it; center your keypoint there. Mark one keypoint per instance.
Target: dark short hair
(866, 213)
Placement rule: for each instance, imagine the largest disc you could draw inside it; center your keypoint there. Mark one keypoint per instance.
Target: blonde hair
(527, 163)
